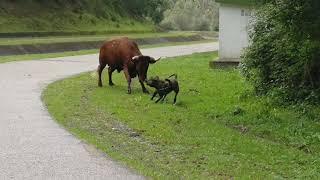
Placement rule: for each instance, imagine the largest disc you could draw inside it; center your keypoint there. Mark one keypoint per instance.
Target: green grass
(217, 130)
(61, 39)
(26, 57)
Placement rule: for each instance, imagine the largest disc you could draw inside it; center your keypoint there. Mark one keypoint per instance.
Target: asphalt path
(32, 144)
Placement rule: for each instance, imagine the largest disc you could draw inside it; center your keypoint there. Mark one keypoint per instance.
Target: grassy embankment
(218, 129)
(68, 16)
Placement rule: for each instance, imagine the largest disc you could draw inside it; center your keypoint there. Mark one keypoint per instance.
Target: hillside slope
(93, 16)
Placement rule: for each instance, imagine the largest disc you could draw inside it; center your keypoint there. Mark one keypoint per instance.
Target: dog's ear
(168, 80)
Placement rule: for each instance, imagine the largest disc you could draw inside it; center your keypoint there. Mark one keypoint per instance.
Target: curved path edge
(32, 144)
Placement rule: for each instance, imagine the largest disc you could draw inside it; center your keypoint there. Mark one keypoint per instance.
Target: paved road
(32, 145)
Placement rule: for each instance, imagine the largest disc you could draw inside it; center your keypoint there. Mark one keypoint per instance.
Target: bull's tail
(100, 61)
(98, 69)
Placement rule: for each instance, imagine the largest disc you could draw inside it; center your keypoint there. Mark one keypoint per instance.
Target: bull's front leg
(126, 73)
(144, 89)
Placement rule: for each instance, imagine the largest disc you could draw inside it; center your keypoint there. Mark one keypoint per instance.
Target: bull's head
(142, 64)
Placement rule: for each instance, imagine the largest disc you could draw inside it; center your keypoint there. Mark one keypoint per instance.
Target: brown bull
(124, 54)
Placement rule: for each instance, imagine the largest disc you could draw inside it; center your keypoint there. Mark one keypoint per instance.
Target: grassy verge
(61, 39)
(217, 129)
(68, 16)
(26, 57)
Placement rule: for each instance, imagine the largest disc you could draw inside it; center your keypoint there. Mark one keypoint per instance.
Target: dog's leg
(154, 95)
(175, 98)
(161, 96)
(164, 97)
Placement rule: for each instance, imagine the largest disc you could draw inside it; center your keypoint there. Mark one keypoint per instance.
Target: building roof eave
(238, 2)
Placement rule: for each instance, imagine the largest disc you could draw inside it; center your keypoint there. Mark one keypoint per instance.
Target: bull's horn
(135, 58)
(158, 59)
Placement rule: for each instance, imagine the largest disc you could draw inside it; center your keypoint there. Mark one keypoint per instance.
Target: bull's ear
(152, 60)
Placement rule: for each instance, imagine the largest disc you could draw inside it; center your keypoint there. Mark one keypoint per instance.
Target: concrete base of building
(224, 63)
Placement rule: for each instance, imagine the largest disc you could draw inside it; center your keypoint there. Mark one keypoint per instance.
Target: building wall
(233, 31)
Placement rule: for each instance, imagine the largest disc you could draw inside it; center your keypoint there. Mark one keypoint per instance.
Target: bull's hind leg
(100, 69)
(110, 71)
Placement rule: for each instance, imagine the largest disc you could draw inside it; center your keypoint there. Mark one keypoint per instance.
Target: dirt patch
(8, 50)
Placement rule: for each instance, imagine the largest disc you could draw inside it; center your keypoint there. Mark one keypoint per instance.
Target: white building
(234, 18)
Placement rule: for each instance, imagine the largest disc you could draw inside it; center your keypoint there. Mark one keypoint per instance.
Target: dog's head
(153, 81)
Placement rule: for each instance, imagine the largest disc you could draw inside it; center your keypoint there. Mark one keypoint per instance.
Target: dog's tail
(168, 79)
(173, 75)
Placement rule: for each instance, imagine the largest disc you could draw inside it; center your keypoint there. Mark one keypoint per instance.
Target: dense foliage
(104, 16)
(170, 14)
(191, 15)
(283, 59)
(138, 8)
(147, 8)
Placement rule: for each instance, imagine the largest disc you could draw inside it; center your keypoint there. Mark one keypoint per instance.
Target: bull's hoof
(111, 84)
(129, 92)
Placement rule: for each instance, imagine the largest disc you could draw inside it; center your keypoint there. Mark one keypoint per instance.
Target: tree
(284, 56)
(146, 8)
(191, 15)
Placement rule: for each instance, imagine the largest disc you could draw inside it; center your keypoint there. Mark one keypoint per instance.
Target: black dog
(164, 87)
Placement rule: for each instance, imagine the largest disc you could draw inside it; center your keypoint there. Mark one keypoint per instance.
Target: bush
(191, 15)
(284, 55)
